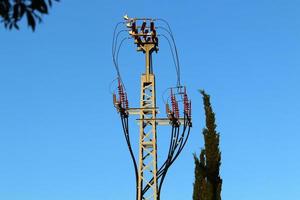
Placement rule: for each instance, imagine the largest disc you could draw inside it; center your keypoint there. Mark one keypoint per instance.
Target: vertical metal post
(147, 145)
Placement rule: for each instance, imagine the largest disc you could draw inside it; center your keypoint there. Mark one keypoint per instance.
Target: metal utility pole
(148, 145)
(149, 176)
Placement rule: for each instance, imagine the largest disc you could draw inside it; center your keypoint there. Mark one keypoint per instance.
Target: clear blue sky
(61, 139)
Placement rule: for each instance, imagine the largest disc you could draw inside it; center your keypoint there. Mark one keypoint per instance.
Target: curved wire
(114, 49)
(175, 48)
(113, 45)
(177, 144)
(116, 41)
(173, 39)
(116, 60)
(114, 34)
(173, 56)
(120, 45)
(124, 120)
(181, 146)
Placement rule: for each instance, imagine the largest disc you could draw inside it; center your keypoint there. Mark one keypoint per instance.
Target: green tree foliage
(208, 184)
(12, 11)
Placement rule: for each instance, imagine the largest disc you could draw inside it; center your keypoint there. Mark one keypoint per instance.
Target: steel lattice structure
(150, 177)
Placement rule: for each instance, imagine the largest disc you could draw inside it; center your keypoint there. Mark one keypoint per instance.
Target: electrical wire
(120, 45)
(124, 120)
(176, 146)
(116, 60)
(173, 56)
(116, 41)
(175, 49)
(113, 46)
(173, 39)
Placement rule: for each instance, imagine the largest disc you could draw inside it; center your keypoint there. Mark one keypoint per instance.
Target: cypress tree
(208, 184)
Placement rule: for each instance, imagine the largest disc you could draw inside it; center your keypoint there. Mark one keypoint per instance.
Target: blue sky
(60, 137)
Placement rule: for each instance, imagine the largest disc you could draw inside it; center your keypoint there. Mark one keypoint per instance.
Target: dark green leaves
(18, 11)
(4, 8)
(40, 6)
(30, 20)
(12, 11)
(208, 183)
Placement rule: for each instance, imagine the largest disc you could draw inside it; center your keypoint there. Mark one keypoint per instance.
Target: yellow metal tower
(146, 41)
(149, 177)
(147, 146)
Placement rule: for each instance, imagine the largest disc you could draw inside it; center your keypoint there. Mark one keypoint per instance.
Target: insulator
(119, 89)
(173, 108)
(152, 28)
(143, 26)
(153, 33)
(173, 99)
(121, 94)
(123, 99)
(133, 27)
(190, 109)
(186, 103)
(126, 101)
(176, 110)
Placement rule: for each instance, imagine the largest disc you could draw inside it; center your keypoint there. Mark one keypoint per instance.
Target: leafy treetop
(12, 11)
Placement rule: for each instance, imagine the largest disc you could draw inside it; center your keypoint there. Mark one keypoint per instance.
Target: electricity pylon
(148, 176)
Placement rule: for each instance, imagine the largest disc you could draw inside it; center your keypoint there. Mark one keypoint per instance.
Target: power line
(173, 56)
(174, 43)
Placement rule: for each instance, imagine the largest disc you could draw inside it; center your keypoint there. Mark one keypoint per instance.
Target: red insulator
(173, 104)
(143, 26)
(185, 101)
(190, 109)
(176, 110)
(122, 95)
(133, 27)
(173, 101)
(126, 101)
(122, 98)
(186, 104)
(119, 88)
(152, 27)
